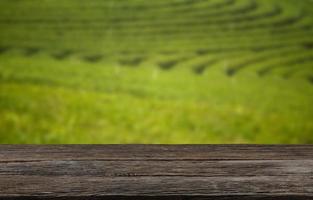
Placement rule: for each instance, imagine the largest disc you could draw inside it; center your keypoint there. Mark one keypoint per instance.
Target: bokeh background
(166, 71)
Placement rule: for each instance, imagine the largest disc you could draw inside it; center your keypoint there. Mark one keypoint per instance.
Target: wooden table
(89, 172)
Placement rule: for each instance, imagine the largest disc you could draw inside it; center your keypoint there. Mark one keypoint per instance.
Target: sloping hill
(210, 70)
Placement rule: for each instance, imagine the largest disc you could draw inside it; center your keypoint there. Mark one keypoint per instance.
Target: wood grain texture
(156, 172)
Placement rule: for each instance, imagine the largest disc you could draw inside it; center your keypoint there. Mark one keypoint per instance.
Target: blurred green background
(166, 71)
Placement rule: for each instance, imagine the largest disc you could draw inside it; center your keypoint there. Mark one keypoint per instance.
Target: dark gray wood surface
(156, 172)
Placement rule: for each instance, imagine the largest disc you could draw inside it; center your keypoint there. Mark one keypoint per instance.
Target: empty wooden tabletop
(156, 172)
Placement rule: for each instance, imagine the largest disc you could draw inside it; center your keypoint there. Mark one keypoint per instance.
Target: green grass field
(166, 71)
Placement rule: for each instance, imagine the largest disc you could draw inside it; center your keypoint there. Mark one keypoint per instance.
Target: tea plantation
(165, 71)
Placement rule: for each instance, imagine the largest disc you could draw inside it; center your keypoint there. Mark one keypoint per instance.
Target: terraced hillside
(166, 71)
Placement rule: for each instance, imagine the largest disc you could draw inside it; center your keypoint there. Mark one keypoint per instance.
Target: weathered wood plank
(156, 172)
(154, 152)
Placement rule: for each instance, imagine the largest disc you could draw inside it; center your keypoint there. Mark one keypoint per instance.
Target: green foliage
(167, 71)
